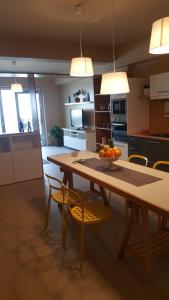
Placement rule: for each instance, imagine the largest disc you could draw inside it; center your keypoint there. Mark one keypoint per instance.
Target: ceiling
(57, 20)
(54, 24)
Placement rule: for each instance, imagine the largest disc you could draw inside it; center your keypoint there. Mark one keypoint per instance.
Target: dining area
(34, 262)
(143, 192)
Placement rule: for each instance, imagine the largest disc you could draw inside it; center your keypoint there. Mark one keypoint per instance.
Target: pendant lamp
(16, 87)
(114, 82)
(159, 43)
(81, 66)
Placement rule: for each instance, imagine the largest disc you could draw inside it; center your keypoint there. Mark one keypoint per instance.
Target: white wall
(68, 89)
(53, 105)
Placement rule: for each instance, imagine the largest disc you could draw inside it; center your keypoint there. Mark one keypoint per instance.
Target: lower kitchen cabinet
(153, 148)
(20, 157)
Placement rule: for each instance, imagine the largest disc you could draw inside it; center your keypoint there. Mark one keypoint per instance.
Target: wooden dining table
(146, 188)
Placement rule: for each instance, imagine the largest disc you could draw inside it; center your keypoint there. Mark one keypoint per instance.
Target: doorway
(18, 106)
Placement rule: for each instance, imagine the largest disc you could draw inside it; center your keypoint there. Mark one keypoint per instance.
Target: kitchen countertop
(139, 134)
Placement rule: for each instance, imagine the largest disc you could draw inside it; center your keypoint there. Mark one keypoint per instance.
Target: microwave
(119, 106)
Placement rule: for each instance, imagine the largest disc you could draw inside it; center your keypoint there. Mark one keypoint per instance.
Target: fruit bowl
(110, 155)
(109, 161)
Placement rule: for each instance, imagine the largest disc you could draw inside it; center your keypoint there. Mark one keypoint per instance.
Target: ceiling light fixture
(81, 66)
(114, 82)
(159, 43)
(16, 87)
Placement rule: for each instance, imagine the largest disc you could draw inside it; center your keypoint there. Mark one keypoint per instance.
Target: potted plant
(56, 134)
(76, 95)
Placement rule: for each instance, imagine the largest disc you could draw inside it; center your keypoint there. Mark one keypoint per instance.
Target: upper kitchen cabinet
(159, 86)
(137, 106)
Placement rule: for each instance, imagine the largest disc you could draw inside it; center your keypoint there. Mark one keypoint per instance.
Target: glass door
(16, 107)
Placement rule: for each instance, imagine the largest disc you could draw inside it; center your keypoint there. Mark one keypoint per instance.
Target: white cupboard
(159, 86)
(20, 157)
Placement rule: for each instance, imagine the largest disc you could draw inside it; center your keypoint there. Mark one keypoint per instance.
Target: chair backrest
(74, 199)
(161, 165)
(138, 159)
(54, 183)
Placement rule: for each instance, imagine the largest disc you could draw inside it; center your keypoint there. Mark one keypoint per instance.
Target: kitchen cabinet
(159, 86)
(20, 157)
(153, 148)
(102, 111)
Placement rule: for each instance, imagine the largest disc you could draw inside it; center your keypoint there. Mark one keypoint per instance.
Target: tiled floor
(34, 266)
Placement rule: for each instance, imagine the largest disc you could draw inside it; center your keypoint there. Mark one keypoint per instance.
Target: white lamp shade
(81, 67)
(114, 83)
(16, 87)
(159, 43)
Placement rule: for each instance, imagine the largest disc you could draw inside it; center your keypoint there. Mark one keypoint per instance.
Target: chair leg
(114, 235)
(47, 212)
(64, 228)
(81, 247)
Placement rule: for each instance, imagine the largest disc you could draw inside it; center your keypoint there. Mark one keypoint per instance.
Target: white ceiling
(56, 24)
(56, 20)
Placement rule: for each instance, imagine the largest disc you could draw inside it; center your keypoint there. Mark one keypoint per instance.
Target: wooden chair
(141, 160)
(85, 213)
(55, 194)
(138, 159)
(163, 166)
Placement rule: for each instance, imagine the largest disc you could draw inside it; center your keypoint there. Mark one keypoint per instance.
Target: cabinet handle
(159, 92)
(132, 148)
(154, 142)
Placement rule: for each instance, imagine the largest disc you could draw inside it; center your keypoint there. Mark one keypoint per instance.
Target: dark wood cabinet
(153, 148)
(102, 114)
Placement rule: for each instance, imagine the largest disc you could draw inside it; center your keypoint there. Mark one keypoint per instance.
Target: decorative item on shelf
(102, 107)
(69, 99)
(76, 95)
(88, 97)
(84, 95)
(56, 134)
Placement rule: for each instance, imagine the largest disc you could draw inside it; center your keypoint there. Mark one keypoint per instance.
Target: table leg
(68, 178)
(147, 242)
(103, 194)
(127, 234)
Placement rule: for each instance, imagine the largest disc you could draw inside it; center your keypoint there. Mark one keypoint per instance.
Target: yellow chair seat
(58, 197)
(93, 213)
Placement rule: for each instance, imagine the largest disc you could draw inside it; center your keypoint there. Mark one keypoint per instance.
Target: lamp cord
(113, 35)
(80, 37)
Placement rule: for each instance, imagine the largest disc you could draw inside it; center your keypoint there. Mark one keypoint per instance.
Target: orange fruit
(109, 153)
(101, 153)
(105, 147)
(117, 151)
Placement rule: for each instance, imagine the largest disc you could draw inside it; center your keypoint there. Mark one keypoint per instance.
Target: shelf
(79, 103)
(103, 128)
(102, 111)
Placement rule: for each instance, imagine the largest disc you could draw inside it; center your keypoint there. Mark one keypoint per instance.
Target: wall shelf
(102, 111)
(103, 128)
(79, 103)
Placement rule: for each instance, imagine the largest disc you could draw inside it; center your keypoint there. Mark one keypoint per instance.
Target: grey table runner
(130, 176)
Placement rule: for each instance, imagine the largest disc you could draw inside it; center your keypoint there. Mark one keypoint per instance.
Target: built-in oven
(119, 106)
(119, 131)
